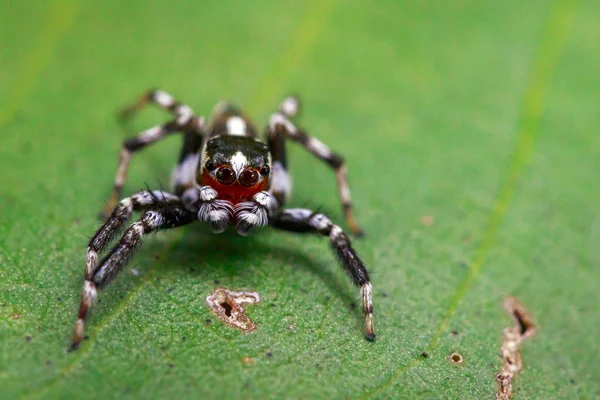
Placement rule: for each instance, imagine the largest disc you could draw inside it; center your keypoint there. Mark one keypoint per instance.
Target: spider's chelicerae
(225, 175)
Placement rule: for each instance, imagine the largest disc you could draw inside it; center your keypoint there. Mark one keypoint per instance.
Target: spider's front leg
(168, 216)
(305, 221)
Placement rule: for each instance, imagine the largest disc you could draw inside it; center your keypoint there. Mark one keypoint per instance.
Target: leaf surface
(469, 129)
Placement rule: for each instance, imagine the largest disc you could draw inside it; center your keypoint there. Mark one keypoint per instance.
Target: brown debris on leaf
(427, 220)
(513, 337)
(228, 305)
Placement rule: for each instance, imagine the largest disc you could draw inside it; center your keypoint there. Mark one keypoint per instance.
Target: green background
(481, 114)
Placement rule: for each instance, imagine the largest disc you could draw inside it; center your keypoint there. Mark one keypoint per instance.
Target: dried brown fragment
(247, 360)
(513, 337)
(228, 305)
(427, 220)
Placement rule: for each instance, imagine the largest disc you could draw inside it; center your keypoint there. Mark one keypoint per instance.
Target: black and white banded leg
(280, 128)
(140, 201)
(162, 99)
(305, 221)
(184, 122)
(166, 217)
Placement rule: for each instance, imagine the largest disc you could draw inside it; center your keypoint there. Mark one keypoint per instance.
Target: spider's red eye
(265, 170)
(225, 175)
(210, 166)
(249, 177)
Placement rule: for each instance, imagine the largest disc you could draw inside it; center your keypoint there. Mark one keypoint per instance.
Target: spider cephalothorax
(225, 176)
(237, 167)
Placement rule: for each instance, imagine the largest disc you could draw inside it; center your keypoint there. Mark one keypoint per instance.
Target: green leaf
(477, 118)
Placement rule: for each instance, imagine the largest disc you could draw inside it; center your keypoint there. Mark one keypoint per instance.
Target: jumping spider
(224, 175)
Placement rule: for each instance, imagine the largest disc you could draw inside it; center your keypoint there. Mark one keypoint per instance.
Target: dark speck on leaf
(191, 270)
(216, 281)
(425, 354)
(384, 294)
(28, 338)
(86, 337)
(59, 298)
(183, 338)
(156, 257)
(272, 305)
(572, 381)
(327, 298)
(208, 321)
(48, 363)
(162, 348)
(454, 332)
(169, 290)
(171, 365)
(353, 305)
(269, 354)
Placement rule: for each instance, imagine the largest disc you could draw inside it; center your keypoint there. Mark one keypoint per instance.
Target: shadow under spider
(213, 254)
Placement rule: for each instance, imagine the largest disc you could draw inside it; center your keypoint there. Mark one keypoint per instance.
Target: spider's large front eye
(225, 175)
(249, 177)
(210, 166)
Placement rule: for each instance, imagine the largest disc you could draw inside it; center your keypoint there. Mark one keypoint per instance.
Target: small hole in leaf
(227, 308)
(456, 358)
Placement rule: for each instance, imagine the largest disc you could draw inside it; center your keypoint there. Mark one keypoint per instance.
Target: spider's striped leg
(144, 139)
(281, 184)
(140, 201)
(304, 221)
(183, 176)
(281, 127)
(290, 106)
(163, 100)
(169, 216)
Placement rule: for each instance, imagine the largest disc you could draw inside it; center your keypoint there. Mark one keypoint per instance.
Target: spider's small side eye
(249, 177)
(265, 170)
(210, 166)
(225, 175)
